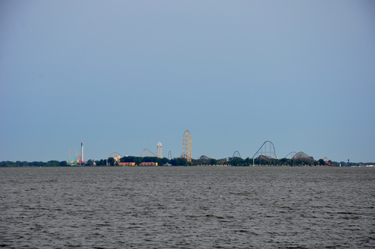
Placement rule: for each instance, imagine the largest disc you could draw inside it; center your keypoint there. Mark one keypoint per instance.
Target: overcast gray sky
(125, 75)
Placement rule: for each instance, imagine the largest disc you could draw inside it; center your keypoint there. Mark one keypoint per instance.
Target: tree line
(273, 162)
(138, 160)
(236, 161)
(52, 163)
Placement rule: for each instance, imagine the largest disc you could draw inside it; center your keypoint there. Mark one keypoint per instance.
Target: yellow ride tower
(187, 144)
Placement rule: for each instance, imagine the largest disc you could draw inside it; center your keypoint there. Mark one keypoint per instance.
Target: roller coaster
(117, 158)
(236, 154)
(267, 150)
(170, 155)
(290, 155)
(146, 152)
(301, 156)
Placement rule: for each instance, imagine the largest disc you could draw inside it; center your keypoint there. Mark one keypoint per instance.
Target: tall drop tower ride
(159, 150)
(186, 147)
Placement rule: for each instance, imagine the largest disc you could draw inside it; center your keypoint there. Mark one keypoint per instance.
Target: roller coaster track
(145, 149)
(170, 155)
(236, 154)
(291, 154)
(263, 150)
(113, 154)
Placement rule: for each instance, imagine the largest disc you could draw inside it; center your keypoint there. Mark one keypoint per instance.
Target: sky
(121, 76)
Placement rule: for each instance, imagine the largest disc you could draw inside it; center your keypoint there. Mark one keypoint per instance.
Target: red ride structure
(328, 162)
(145, 150)
(114, 157)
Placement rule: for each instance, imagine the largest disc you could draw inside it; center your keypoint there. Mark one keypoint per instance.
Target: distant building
(126, 163)
(148, 164)
(222, 161)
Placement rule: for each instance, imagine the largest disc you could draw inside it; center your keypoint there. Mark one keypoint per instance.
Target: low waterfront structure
(126, 163)
(149, 164)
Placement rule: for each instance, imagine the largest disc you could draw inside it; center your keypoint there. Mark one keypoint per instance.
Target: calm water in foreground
(187, 207)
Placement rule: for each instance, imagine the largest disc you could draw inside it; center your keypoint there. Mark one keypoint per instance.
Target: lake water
(187, 207)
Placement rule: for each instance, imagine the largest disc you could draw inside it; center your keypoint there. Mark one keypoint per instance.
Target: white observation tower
(159, 150)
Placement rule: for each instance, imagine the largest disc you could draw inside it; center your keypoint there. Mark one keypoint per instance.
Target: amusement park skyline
(123, 76)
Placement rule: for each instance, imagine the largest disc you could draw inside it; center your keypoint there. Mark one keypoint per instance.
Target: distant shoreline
(218, 165)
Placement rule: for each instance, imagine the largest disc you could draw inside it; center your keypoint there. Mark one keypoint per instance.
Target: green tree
(149, 159)
(63, 163)
(101, 162)
(179, 162)
(162, 161)
(111, 161)
(283, 161)
(136, 160)
(53, 163)
(236, 161)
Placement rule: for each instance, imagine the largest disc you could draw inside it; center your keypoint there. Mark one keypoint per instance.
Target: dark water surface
(187, 207)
